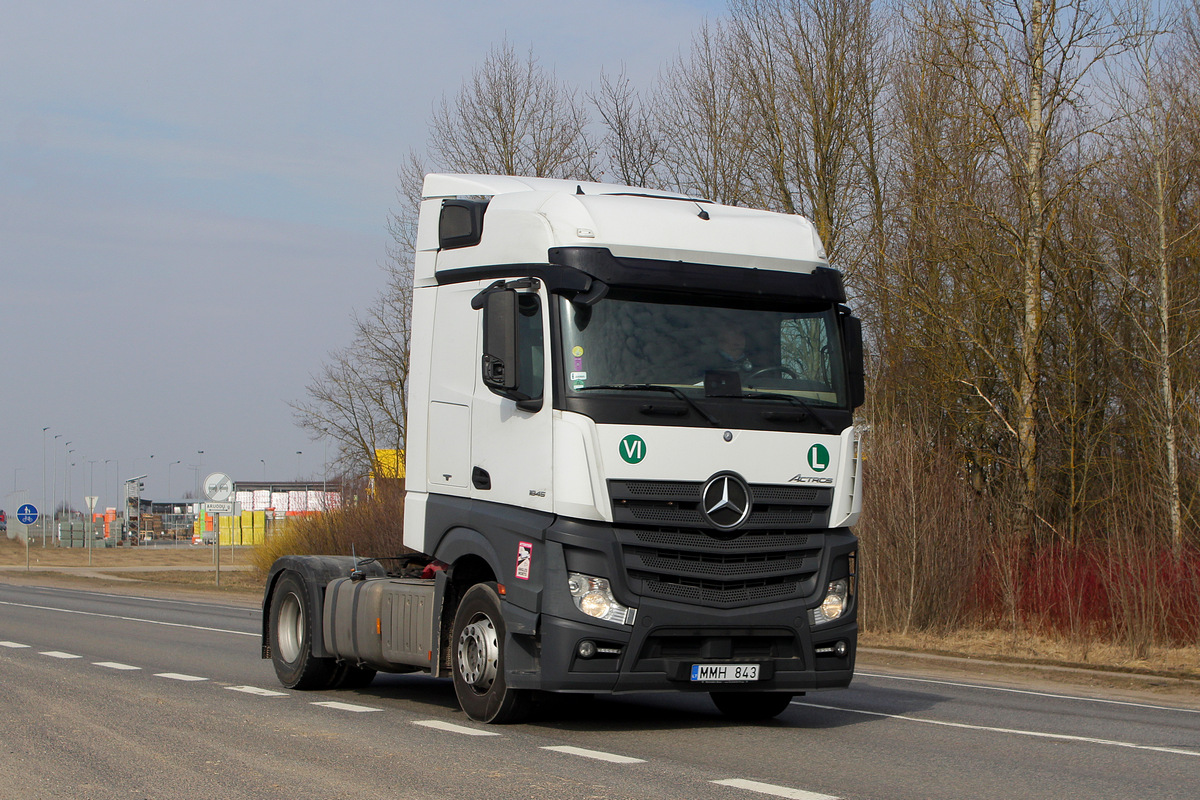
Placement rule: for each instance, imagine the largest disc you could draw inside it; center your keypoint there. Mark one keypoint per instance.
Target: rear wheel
(478, 651)
(291, 628)
(751, 705)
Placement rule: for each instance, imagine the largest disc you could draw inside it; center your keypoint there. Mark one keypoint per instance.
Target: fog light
(840, 649)
(587, 649)
(594, 597)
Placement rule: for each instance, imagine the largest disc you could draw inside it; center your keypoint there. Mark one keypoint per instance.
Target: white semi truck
(631, 463)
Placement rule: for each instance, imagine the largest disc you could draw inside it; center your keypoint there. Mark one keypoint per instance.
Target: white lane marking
(115, 665)
(452, 728)
(347, 707)
(1028, 692)
(154, 601)
(256, 691)
(178, 676)
(596, 754)
(14, 645)
(1062, 737)
(128, 619)
(59, 654)
(772, 789)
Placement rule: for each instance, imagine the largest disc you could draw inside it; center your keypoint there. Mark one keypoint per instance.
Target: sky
(193, 204)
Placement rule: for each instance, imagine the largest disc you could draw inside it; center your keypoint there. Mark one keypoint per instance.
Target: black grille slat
(723, 567)
(696, 539)
(721, 595)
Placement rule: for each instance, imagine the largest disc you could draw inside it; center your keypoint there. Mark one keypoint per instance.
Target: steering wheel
(781, 369)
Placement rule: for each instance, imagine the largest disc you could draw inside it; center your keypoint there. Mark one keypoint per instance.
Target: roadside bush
(920, 533)
(370, 527)
(1125, 589)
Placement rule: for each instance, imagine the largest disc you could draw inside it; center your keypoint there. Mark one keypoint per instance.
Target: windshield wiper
(812, 412)
(654, 387)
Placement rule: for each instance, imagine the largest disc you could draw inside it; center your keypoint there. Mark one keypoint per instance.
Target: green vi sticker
(818, 458)
(633, 449)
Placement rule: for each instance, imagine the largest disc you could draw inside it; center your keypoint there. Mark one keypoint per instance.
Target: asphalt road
(107, 696)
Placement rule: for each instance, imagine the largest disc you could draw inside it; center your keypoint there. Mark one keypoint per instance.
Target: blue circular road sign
(27, 514)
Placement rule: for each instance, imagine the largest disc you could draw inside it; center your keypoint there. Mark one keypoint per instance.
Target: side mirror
(853, 342)
(500, 368)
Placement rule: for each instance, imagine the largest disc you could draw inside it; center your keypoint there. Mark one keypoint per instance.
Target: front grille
(669, 551)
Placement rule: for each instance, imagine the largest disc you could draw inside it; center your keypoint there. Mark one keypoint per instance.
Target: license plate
(724, 673)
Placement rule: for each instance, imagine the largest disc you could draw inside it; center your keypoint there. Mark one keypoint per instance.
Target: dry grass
(12, 553)
(161, 570)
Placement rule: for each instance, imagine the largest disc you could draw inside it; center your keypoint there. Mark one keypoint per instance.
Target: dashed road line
(59, 654)
(1060, 737)
(178, 676)
(596, 754)
(115, 665)
(452, 728)
(773, 790)
(13, 645)
(254, 690)
(347, 707)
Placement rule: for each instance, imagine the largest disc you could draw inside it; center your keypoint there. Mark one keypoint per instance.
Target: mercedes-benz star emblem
(726, 501)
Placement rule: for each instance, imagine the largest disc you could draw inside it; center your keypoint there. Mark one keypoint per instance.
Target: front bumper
(657, 654)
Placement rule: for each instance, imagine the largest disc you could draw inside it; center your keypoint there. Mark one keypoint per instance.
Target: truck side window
(530, 345)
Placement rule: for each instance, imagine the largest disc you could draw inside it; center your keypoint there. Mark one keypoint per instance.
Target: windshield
(761, 353)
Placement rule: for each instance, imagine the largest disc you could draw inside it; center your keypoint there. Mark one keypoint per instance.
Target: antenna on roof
(578, 189)
(703, 214)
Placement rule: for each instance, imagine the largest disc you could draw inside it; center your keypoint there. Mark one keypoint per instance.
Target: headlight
(594, 597)
(834, 605)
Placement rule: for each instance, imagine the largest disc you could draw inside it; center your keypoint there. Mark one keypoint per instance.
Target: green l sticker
(818, 458)
(633, 449)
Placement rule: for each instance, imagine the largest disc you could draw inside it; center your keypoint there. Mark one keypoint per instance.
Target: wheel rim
(289, 634)
(478, 654)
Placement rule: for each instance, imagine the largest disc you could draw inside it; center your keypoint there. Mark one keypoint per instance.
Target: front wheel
(751, 705)
(478, 650)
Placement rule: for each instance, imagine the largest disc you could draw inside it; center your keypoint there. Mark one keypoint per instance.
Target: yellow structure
(389, 464)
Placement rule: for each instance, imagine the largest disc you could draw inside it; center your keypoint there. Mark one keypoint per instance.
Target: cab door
(511, 412)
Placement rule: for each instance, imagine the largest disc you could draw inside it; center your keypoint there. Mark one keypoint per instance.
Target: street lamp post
(54, 491)
(173, 463)
(67, 478)
(263, 461)
(43, 519)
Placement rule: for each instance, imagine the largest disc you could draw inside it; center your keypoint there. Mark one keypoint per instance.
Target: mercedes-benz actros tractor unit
(630, 454)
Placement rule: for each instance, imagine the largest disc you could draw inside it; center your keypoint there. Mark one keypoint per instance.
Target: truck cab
(631, 447)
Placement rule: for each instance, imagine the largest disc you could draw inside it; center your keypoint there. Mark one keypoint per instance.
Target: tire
(751, 705)
(478, 655)
(292, 628)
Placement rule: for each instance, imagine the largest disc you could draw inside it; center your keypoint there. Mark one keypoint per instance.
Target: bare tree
(1155, 229)
(359, 399)
(634, 151)
(703, 119)
(811, 72)
(511, 117)
(1022, 70)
